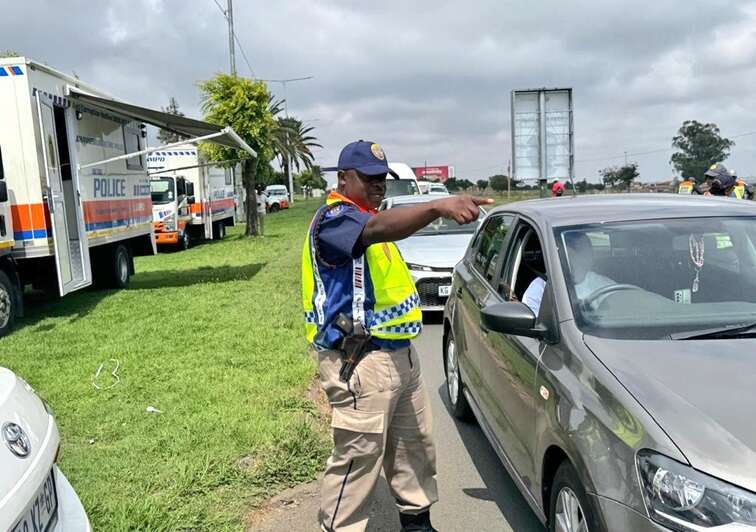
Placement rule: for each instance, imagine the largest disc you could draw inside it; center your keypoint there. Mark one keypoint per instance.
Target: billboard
(434, 173)
(542, 134)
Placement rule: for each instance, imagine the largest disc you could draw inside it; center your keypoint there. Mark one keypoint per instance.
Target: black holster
(355, 344)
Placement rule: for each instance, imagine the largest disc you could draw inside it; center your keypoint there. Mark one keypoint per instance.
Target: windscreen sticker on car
(682, 296)
(723, 241)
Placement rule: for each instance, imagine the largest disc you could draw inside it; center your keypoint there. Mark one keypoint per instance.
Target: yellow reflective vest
(375, 289)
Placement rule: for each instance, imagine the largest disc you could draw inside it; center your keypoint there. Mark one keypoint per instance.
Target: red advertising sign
(432, 173)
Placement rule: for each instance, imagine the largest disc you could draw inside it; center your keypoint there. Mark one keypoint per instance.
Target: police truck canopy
(197, 130)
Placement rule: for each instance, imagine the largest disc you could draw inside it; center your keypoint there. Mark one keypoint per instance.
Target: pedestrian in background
(357, 290)
(262, 210)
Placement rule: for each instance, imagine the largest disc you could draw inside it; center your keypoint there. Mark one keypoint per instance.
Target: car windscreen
(442, 226)
(162, 190)
(401, 187)
(652, 279)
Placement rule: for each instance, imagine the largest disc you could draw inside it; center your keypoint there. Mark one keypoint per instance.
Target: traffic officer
(720, 181)
(741, 190)
(687, 186)
(381, 417)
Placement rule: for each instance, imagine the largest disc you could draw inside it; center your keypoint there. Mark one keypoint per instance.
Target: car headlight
(681, 498)
(169, 222)
(419, 267)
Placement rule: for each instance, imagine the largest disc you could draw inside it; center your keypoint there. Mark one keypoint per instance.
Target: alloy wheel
(569, 514)
(452, 372)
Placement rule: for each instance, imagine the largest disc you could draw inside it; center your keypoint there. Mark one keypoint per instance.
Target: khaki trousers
(381, 419)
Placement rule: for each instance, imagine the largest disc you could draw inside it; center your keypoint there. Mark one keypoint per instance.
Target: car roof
(412, 198)
(600, 208)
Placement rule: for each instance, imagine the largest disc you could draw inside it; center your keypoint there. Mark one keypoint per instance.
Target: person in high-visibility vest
(741, 189)
(687, 186)
(361, 311)
(720, 181)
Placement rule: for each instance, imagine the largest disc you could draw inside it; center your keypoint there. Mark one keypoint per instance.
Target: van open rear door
(68, 231)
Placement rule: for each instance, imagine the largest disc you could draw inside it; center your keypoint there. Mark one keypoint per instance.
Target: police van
(191, 198)
(75, 199)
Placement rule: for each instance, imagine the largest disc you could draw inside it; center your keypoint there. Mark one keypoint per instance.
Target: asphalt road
(475, 492)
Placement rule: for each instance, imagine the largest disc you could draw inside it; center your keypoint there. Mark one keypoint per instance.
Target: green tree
(699, 146)
(242, 104)
(452, 184)
(498, 182)
(293, 142)
(165, 136)
(312, 177)
(482, 184)
(620, 177)
(464, 184)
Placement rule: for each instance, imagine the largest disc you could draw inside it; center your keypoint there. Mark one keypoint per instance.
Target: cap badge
(378, 151)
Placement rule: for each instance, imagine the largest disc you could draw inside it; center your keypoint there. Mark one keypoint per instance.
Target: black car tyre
(120, 266)
(275, 207)
(184, 243)
(457, 400)
(569, 507)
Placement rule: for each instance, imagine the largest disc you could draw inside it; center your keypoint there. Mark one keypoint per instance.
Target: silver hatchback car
(607, 347)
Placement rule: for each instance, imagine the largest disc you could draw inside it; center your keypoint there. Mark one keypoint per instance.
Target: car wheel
(570, 509)
(275, 207)
(184, 241)
(457, 401)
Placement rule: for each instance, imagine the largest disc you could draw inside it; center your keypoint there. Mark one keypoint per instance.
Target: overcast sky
(430, 80)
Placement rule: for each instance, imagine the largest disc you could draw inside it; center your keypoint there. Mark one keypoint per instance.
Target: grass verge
(213, 338)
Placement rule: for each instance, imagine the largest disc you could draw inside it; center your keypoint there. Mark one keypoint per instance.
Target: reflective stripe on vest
(390, 311)
(738, 191)
(686, 187)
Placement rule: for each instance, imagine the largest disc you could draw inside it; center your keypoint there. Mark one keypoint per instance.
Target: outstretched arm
(396, 224)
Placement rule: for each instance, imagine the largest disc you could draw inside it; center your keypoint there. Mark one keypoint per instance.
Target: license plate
(42, 514)
(444, 291)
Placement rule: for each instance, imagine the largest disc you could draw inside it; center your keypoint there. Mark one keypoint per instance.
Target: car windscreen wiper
(728, 331)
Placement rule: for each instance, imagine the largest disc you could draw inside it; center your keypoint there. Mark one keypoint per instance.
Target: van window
(132, 137)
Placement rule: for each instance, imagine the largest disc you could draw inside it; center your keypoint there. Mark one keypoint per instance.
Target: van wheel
(275, 207)
(184, 241)
(119, 274)
(8, 303)
(457, 400)
(569, 508)
(219, 231)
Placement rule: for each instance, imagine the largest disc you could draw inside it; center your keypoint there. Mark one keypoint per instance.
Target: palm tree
(293, 143)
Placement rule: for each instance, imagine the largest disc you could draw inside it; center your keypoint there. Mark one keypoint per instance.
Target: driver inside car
(580, 258)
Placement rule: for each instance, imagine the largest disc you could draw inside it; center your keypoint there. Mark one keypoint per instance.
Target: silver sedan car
(607, 347)
(432, 252)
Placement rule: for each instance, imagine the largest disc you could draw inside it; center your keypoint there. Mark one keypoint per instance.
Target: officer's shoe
(416, 522)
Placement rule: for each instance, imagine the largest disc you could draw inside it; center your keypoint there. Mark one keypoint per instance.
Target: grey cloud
(430, 80)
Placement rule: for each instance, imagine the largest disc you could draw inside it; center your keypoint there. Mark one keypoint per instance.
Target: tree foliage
(293, 143)
(498, 182)
(165, 136)
(312, 177)
(482, 184)
(699, 146)
(242, 104)
(620, 176)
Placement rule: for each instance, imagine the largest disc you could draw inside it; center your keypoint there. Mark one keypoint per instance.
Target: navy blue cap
(365, 157)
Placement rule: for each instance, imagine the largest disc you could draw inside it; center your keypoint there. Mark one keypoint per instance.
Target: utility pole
(509, 180)
(231, 48)
(286, 113)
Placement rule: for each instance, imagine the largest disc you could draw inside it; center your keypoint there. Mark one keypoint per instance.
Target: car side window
(489, 243)
(524, 265)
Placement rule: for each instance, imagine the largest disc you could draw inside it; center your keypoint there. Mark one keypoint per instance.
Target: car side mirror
(514, 318)
(3, 191)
